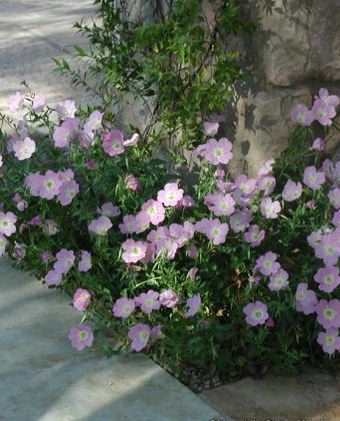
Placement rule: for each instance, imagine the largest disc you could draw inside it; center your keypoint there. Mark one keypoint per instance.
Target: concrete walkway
(42, 378)
(31, 32)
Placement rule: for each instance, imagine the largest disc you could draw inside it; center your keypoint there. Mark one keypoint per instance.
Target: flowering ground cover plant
(229, 276)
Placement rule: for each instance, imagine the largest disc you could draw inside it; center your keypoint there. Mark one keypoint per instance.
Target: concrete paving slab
(42, 378)
(33, 31)
(309, 396)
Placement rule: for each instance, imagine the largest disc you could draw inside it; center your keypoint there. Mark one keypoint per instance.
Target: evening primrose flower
(270, 209)
(329, 340)
(134, 251)
(7, 223)
(292, 191)
(194, 304)
(328, 313)
(24, 149)
(301, 115)
(148, 301)
(100, 226)
(123, 307)
(81, 337)
(256, 313)
(328, 278)
(171, 194)
(313, 179)
(81, 299)
(139, 335)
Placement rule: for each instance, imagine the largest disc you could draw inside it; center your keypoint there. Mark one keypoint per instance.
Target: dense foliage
(178, 63)
(234, 276)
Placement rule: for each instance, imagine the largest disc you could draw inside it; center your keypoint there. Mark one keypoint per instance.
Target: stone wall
(296, 51)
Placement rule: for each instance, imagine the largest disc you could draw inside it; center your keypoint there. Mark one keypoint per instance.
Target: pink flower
(186, 202)
(1, 161)
(336, 219)
(329, 340)
(219, 173)
(278, 280)
(131, 182)
(113, 142)
(222, 204)
(66, 132)
(192, 273)
(292, 191)
(68, 192)
(217, 152)
(39, 103)
(49, 185)
(194, 304)
(266, 184)
(100, 226)
(245, 185)
(129, 224)
(15, 102)
(313, 179)
(267, 264)
(85, 263)
(168, 298)
(256, 313)
(333, 100)
(123, 307)
(266, 168)
(334, 198)
(91, 165)
(328, 278)
(254, 236)
(210, 128)
(181, 233)
(24, 149)
(81, 299)
(301, 115)
(53, 278)
(216, 231)
(66, 109)
(327, 249)
(314, 239)
(318, 144)
(3, 243)
(328, 313)
(95, 120)
(108, 209)
(270, 209)
(170, 195)
(7, 223)
(142, 222)
(306, 299)
(81, 337)
(21, 204)
(310, 204)
(65, 261)
(132, 141)
(148, 301)
(36, 220)
(140, 335)
(192, 252)
(46, 256)
(154, 211)
(240, 220)
(134, 251)
(323, 112)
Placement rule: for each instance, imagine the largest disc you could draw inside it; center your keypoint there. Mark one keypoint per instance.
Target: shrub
(179, 65)
(231, 277)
